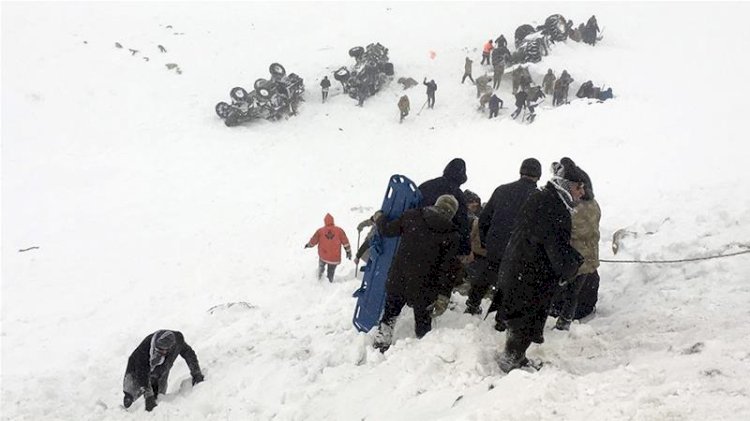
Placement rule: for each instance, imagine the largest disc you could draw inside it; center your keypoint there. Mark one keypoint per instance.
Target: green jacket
(585, 234)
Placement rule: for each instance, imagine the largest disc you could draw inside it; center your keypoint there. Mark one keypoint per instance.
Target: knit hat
(472, 197)
(568, 170)
(165, 340)
(531, 167)
(448, 204)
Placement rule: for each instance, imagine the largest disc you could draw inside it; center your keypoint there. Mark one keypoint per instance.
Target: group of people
(535, 246)
(533, 250)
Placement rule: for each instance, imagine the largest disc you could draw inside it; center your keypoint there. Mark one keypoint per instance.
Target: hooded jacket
(425, 262)
(329, 240)
(499, 216)
(140, 377)
(454, 175)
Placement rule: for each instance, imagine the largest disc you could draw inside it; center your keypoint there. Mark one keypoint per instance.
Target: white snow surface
(148, 211)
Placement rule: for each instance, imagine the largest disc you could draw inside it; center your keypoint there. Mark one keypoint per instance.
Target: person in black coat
(521, 97)
(148, 367)
(424, 267)
(431, 88)
(538, 256)
(454, 175)
(496, 223)
(495, 104)
(325, 84)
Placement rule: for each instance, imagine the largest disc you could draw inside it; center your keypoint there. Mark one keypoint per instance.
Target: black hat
(531, 167)
(570, 171)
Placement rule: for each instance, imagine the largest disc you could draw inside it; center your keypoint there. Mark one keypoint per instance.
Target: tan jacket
(585, 234)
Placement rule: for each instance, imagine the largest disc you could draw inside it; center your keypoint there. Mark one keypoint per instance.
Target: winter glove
(307, 245)
(127, 400)
(439, 306)
(349, 255)
(197, 378)
(356, 260)
(150, 403)
(376, 215)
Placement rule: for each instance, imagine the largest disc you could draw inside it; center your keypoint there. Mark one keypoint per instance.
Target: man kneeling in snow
(148, 367)
(424, 267)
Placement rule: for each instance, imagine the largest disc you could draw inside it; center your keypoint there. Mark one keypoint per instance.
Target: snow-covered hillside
(147, 211)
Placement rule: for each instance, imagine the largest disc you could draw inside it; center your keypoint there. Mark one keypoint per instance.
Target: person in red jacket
(486, 51)
(329, 240)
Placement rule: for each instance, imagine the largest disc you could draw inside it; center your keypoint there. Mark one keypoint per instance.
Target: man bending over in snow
(148, 367)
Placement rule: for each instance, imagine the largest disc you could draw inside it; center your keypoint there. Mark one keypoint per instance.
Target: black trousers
(430, 101)
(325, 94)
(331, 269)
(469, 76)
(485, 58)
(570, 293)
(422, 317)
(493, 113)
(481, 284)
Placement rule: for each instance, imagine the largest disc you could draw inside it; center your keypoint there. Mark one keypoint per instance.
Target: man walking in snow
(403, 107)
(495, 225)
(467, 70)
(538, 256)
(520, 103)
(499, 55)
(431, 88)
(549, 82)
(483, 85)
(495, 105)
(486, 51)
(325, 84)
(147, 372)
(585, 239)
(423, 269)
(329, 240)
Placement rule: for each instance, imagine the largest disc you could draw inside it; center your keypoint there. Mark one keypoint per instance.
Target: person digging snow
(329, 240)
(148, 367)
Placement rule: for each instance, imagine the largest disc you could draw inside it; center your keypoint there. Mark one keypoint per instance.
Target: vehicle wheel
(238, 94)
(223, 109)
(341, 74)
(260, 83)
(356, 52)
(277, 70)
(264, 93)
(388, 69)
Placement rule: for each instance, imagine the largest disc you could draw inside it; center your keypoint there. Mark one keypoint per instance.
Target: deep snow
(148, 211)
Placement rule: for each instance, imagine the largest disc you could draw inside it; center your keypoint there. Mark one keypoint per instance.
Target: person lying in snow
(329, 240)
(148, 367)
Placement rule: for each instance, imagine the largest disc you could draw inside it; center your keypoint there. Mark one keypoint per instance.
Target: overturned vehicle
(531, 45)
(370, 72)
(270, 99)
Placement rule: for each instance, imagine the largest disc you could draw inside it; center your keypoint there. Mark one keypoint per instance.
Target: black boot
(562, 323)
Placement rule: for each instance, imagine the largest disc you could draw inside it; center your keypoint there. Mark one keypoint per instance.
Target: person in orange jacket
(329, 240)
(486, 50)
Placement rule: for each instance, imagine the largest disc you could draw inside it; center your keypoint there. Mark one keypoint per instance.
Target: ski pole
(356, 265)
(420, 110)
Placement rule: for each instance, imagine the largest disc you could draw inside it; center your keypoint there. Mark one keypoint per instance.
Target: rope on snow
(694, 259)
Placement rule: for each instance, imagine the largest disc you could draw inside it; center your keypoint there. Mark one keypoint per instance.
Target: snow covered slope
(148, 211)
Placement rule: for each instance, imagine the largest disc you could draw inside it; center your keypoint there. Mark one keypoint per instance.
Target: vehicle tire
(277, 70)
(223, 110)
(341, 74)
(522, 32)
(260, 83)
(264, 93)
(356, 52)
(238, 93)
(388, 69)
